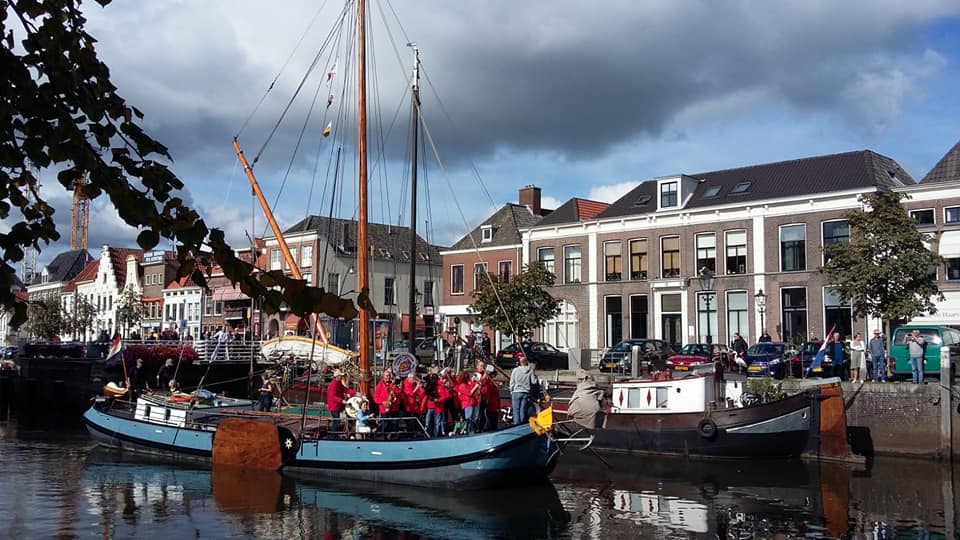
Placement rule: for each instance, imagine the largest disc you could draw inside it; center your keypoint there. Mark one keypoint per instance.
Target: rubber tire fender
(707, 429)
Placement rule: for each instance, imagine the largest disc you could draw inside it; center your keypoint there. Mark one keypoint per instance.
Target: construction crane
(81, 215)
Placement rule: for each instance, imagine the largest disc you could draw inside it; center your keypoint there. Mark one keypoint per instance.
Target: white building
(181, 307)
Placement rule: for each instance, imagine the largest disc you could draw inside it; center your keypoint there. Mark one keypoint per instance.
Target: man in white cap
(337, 393)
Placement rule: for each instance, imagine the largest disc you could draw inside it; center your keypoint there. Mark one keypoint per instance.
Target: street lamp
(706, 279)
(761, 300)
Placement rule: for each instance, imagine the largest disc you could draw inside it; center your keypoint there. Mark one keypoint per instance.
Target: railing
(234, 351)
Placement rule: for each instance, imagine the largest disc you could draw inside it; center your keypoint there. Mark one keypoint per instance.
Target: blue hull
(511, 456)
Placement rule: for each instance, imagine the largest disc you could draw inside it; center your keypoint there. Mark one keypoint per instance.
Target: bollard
(946, 406)
(635, 361)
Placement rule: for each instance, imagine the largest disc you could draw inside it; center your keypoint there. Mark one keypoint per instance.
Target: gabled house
(52, 278)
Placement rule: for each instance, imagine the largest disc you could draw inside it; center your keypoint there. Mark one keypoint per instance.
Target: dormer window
(486, 233)
(643, 200)
(668, 194)
(711, 192)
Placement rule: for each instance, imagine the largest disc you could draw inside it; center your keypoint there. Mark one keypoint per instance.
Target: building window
(638, 259)
(563, 331)
(836, 313)
(208, 306)
(388, 297)
(707, 316)
(794, 314)
(456, 279)
(953, 269)
(639, 310)
(951, 214)
(505, 270)
(218, 308)
(333, 283)
(923, 218)
(428, 293)
(834, 232)
(613, 260)
(479, 275)
(274, 259)
(571, 264)
(670, 256)
(293, 257)
(741, 187)
(486, 233)
(614, 322)
(308, 277)
(306, 256)
(793, 248)
(668, 194)
(736, 252)
(545, 255)
(707, 252)
(737, 315)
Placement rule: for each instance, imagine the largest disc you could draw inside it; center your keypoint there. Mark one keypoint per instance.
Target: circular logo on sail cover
(404, 364)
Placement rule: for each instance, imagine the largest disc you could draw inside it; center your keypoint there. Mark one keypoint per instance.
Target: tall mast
(415, 131)
(362, 246)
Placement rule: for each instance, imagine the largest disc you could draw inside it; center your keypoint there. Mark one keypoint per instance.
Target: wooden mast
(415, 127)
(362, 243)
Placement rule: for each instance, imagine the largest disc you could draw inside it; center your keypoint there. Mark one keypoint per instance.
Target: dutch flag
(818, 359)
(115, 354)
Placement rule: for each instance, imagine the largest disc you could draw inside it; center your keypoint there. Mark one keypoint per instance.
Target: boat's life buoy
(352, 405)
(707, 429)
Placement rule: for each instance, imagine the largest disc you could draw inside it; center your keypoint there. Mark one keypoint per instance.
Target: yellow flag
(328, 129)
(542, 422)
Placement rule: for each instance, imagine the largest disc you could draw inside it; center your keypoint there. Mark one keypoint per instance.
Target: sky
(580, 99)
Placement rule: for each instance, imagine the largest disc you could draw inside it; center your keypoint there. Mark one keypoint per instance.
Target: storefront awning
(227, 294)
(950, 244)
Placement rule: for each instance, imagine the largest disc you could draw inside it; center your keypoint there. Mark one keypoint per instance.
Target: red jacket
(337, 394)
(466, 398)
(382, 393)
(413, 395)
(492, 391)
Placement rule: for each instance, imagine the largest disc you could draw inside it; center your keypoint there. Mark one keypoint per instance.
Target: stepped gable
(861, 169)
(118, 259)
(506, 223)
(574, 210)
(387, 242)
(67, 265)
(947, 169)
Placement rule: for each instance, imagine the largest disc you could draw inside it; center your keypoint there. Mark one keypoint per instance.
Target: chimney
(530, 197)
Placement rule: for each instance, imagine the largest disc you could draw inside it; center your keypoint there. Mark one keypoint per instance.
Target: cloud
(610, 193)
(551, 203)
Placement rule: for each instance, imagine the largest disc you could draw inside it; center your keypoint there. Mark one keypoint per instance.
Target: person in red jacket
(433, 405)
(468, 391)
(491, 393)
(337, 392)
(388, 396)
(413, 394)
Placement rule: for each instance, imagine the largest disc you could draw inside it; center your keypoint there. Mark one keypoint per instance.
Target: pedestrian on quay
(858, 359)
(878, 353)
(266, 393)
(765, 337)
(916, 346)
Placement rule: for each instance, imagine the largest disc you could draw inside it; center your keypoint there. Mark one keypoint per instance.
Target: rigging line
(232, 177)
(428, 205)
(333, 196)
(282, 68)
(476, 247)
(316, 60)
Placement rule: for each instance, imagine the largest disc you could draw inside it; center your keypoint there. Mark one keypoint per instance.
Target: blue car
(767, 360)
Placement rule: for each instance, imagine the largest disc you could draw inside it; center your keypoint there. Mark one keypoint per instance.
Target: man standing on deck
(337, 393)
(139, 381)
(519, 391)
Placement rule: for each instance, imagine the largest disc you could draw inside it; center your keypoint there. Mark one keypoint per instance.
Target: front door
(670, 328)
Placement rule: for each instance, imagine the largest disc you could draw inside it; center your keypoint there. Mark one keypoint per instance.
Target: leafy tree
(518, 306)
(59, 110)
(79, 320)
(45, 318)
(129, 309)
(885, 269)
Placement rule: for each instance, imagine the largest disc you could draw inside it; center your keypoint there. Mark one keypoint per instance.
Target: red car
(694, 354)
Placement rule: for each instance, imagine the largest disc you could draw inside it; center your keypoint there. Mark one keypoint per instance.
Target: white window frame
(563, 251)
(780, 250)
(823, 244)
(486, 234)
(660, 192)
(933, 212)
(462, 280)
(679, 250)
(945, 208)
(697, 248)
(275, 263)
(553, 261)
(630, 257)
(306, 256)
(745, 330)
(727, 246)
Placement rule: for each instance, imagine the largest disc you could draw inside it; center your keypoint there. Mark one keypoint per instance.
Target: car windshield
(766, 348)
(624, 346)
(694, 350)
(928, 334)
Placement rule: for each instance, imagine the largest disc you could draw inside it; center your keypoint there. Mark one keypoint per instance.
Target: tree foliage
(79, 320)
(885, 269)
(59, 110)
(129, 309)
(518, 306)
(45, 318)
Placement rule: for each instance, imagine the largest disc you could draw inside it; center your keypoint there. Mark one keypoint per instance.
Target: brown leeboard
(248, 444)
(243, 490)
(835, 494)
(833, 422)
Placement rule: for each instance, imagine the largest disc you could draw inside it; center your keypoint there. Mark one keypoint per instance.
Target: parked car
(425, 351)
(544, 354)
(693, 354)
(802, 358)
(10, 352)
(767, 360)
(936, 337)
(653, 353)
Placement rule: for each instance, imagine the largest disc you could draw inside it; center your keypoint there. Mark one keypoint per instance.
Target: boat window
(146, 412)
(662, 393)
(166, 414)
(633, 398)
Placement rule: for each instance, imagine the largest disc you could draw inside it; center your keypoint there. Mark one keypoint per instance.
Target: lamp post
(706, 279)
(761, 300)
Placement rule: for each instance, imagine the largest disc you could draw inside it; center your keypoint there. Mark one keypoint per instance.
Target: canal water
(55, 483)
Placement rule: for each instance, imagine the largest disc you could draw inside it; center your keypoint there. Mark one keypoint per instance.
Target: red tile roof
(118, 259)
(89, 272)
(587, 209)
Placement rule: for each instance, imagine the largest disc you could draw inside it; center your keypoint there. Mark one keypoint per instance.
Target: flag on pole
(329, 100)
(116, 349)
(331, 72)
(821, 354)
(328, 129)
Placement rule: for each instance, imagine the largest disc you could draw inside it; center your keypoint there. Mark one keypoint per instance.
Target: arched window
(563, 331)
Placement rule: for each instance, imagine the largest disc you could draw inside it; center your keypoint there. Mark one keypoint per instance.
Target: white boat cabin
(691, 394)
(157, 411)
